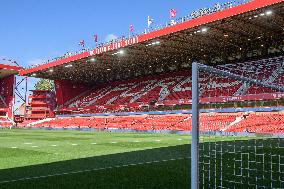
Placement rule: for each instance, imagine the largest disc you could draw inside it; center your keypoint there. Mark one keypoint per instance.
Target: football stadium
(195, 103)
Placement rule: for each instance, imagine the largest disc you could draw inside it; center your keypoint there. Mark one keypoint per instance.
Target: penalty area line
(91, 170)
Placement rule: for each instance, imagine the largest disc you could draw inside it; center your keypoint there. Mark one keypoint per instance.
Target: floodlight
(269, 12)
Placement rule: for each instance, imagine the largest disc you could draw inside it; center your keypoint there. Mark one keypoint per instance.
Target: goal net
(241, 125)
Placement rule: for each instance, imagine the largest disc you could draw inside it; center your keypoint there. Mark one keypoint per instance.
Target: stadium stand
(173, 87)
(228, 122)
(138, 78)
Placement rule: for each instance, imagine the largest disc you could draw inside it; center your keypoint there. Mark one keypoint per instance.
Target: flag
(82, 43)
(95, 37)
(150, 21)
(131, 28)
(173, 13)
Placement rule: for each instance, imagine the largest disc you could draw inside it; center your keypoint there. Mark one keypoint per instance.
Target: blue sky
(35, 30)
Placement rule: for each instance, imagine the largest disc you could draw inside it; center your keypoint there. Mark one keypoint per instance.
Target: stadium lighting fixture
(92, 60)
(119, 52)
(269, 12)
(153, 43)
(203, 30)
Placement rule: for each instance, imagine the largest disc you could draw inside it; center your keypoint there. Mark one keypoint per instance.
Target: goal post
(195, 128)
(229, 157)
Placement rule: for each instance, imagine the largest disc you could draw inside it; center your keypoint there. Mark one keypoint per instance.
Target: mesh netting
(242, 126)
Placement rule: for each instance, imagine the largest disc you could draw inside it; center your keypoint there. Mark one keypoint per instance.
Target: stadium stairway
(238, 119)
(39, 122)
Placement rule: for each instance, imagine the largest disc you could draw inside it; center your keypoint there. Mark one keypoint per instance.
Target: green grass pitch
(88, 159)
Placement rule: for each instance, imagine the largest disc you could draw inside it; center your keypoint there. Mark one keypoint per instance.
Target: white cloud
(110, 37)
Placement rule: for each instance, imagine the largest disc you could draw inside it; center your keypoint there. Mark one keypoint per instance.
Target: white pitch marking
(93, 143)
(14, 147)
(136, 141)
(179, 139)
(34, 146)
(28, 143)
(158, 140)
(89, 170)
(54, 145)
(74, 144)
(113, 142)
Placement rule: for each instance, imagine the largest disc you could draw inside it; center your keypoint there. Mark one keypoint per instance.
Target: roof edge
(253, 5)
(4, 66)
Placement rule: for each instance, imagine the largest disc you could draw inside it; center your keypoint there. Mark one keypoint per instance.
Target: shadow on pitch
(149, 171)
(138, 169)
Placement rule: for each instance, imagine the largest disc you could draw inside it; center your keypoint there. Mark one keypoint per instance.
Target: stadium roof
(237, 30)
